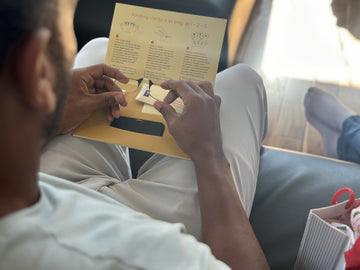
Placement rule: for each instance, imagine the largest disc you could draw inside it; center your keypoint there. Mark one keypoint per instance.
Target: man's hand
(225, 226)
(92, 88)
(197, 129)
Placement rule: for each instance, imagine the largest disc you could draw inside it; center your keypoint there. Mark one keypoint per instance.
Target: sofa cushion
(289, 185)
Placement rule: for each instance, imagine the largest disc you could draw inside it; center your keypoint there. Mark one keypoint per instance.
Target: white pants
(166, 187)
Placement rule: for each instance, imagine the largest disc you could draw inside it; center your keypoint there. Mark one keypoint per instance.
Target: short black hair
(19, 18)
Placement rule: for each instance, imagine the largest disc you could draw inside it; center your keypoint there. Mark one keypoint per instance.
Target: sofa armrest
(289, 185)
(237, 24)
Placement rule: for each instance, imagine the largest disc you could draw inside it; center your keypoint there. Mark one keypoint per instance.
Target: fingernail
(123, 80)
(121, 100)
(116, 114)
(118, 99)
(164, 85)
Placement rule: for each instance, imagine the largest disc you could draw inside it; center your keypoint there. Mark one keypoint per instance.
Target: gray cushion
(289, 185)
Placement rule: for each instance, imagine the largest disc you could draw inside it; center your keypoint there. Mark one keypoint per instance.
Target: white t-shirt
(72, 227)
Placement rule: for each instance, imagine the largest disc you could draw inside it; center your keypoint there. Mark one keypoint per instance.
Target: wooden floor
(287, 125)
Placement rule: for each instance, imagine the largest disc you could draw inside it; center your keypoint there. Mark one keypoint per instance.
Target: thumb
(166, 110)
(108, 99)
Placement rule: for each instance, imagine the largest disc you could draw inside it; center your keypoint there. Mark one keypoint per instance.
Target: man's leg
(166, 187)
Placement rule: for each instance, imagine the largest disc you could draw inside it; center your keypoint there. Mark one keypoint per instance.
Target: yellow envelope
(157, 45)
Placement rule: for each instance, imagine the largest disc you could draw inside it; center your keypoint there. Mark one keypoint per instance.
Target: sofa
(289, 183)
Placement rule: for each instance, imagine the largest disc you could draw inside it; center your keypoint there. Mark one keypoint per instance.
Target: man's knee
(246, 72)
(93, 53)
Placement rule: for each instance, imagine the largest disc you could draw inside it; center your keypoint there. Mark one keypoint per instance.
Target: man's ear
(34, 73)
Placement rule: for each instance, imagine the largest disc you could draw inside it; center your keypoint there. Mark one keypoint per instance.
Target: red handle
(341, 192)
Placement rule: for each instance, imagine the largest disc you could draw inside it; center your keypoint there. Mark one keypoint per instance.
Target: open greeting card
(150, 46)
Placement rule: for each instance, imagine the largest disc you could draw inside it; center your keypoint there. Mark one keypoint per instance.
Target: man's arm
(226, 228)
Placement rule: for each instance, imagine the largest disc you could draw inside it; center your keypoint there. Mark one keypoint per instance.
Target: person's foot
(326, 114)
(325, 108)
(329, 137)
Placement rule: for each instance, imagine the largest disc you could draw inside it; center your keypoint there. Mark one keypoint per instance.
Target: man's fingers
(98, 71)
(108, 100)
(106, 84)
(171, 97)
(115, 111)
(207, 87)
(184, 89)
(167, 111)
(217, 100)
(109, 115)
(180, 88)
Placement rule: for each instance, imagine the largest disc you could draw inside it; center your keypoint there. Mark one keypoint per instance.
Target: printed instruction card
(150, 46)
(161, 45)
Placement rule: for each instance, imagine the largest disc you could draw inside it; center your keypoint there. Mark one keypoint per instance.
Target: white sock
(329, 137)
(325, 108)
(326, 114)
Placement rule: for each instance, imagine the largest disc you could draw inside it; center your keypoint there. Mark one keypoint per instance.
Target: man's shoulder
(74, 227)
(75, 222)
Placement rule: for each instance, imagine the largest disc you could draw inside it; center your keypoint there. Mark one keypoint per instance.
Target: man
(50, 223)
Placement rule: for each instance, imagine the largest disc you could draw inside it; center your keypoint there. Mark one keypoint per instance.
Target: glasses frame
(148, 91)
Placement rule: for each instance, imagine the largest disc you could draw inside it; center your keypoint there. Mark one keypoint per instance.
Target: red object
(341, 192)
(352, 257)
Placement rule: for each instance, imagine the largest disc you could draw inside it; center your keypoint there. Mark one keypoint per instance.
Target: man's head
(36, 53)
(37, 47)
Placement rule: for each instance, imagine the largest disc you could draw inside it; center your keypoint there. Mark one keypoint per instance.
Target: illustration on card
(199, 39)
(163, 35)
(129, 27)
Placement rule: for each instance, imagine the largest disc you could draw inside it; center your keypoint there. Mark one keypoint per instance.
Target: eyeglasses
(144, 91)
(144, 88)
